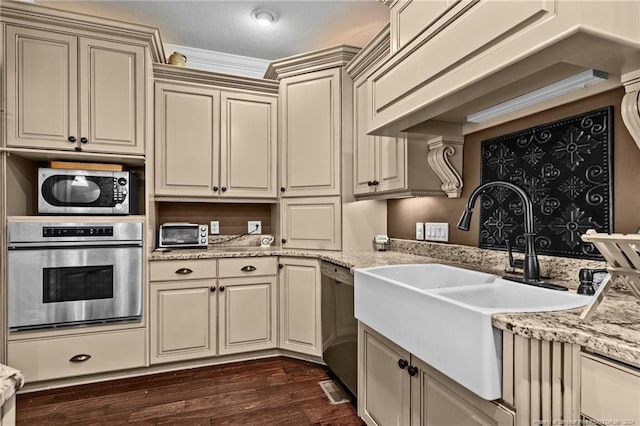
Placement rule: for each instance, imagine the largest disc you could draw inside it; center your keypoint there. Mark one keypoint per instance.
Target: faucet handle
(514, 263)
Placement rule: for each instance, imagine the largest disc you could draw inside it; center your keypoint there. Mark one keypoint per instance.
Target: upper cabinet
(311, 126)
(212, 142)
(74, 93)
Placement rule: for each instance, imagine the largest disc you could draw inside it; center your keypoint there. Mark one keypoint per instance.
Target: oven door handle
(75, 244)
(80, 358)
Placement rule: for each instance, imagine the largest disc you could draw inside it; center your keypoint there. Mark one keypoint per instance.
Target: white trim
(228, 63)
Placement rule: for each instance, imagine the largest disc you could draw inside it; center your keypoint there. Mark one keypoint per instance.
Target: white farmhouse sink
(442, 315)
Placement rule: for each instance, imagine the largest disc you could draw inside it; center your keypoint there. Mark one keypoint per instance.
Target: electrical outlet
(419, 231)
(214, 227)
(254, 227)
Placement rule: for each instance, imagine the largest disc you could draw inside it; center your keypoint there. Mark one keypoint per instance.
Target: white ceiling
(226, 26)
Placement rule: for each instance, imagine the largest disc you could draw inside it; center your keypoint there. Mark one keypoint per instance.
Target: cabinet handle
(184, 271)
(280, 266)
(412, 370)
(282, 189)
(72, 139)
(212, 288)
(223, 189)
(284, 241)
(402, 363)
(215, 189)
(84, 140)
(248, 268)
(80, 358)
(221, 288)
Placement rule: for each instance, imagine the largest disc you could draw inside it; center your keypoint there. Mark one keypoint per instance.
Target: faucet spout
(531, 266)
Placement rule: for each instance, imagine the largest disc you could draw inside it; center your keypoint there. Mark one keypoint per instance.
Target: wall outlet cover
(254, 227)
(214, 227)
(419, 231)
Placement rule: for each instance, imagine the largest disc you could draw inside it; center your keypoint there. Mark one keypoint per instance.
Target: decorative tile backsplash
(566, 169)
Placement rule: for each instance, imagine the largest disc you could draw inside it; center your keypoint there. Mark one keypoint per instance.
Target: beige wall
(403, 214)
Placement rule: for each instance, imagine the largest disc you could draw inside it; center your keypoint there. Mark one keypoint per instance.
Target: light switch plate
(419, 231)
(436, 231)
(251, 227)
(214, 227)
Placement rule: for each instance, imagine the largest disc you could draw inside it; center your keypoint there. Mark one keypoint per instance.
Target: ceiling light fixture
(264, 17)
(559, 88)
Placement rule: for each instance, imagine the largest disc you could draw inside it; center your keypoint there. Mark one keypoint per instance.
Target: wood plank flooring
(275, 391)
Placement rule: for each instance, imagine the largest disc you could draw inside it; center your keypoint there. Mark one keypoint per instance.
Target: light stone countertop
(11, 380)
(613, 331)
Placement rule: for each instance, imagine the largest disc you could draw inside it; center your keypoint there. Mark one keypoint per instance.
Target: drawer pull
(248, 268)
(80, 358)
(184, 271)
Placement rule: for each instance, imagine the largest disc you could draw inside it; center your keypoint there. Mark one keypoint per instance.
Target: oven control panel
(77, 231)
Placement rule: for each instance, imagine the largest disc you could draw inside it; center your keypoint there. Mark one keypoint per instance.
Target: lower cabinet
(396, 388)
(300, 298)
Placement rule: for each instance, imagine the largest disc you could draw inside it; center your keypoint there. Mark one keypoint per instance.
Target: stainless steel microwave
(183, 235)
(67, 191)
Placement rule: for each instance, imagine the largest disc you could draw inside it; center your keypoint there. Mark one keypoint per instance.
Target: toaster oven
(188, 235)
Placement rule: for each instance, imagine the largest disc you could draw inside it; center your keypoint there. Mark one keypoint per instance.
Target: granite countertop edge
(11, 380)
(614, 330)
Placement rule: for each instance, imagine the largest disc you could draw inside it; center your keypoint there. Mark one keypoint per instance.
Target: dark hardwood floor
(275, 391)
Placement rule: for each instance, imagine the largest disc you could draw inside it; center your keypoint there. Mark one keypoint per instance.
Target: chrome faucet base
(537, 283)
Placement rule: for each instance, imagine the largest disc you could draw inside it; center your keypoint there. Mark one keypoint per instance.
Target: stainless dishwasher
(339, 326)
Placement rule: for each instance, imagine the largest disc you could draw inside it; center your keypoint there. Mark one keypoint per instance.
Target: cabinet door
(42, 89)
(391, 164)
(310, 129)
(312, 223)
(437, 400)
(248, 145)
(383, 387)
(247, 309)
(183, 320)
(300, 297)
(187, 140)
(364, 161)
(112, 96)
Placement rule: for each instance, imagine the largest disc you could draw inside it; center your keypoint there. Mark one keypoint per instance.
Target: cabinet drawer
(170, 270)
(610, 391)
(50, 358)
(234, 267)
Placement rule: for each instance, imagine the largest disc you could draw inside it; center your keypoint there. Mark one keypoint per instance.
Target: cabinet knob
(248, 268)
(280, 266)
(282, 189)
(412, 370)
(223, 189)
(77, 148)
(215, 188)
(84, 140)
(221, 288)
(402, 363)
(184, 271)
(370, 183)
(212, 289)
(284, 241)
(80, 358)
(72, 139)
(375, 183)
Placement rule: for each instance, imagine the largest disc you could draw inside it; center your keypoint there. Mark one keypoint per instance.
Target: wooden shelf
(49, 155)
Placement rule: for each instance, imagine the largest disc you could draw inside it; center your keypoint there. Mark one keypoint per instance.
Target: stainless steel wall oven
(64, 274)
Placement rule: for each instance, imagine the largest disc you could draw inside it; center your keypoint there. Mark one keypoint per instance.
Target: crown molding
(19, 12)
(317, 60)
(373, 53)
(209, 60)
(226, 81)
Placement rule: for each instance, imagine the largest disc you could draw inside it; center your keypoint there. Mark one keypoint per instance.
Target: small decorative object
(177, 59)
(266, 240)
(380, 242)
(565, 167)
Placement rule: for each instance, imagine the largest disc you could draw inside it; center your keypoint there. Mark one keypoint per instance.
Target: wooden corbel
(445, 158)
(630, 108)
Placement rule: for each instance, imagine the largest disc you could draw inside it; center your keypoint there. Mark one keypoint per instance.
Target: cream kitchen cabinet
(74, 93)
(247, 304)
(213, 143)
(300, 298)
(313, 223)
(311, 133)
(396, 388)
(183, 310)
